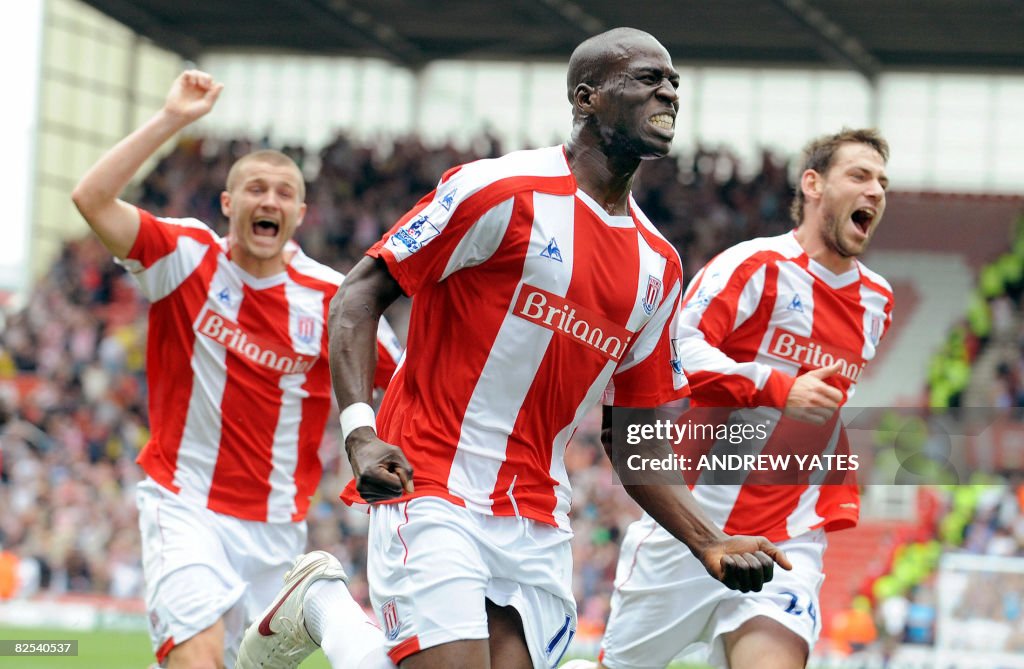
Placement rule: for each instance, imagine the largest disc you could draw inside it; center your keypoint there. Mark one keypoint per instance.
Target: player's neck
(814, 245)
(605, 180)
(260, 268)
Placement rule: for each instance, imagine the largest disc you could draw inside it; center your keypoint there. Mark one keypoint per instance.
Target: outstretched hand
(192, 95)
(381, 470)
(744, 563)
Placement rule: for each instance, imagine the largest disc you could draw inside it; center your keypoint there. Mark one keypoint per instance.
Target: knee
(197, 661)
(763, 643)
(197, 653)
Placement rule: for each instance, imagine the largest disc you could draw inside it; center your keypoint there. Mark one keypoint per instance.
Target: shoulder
(653, 237)
(755, 253)
(192, 227)
(875, 280)
(547, 162)
(162, 237)
(535, 169)
(304, 267)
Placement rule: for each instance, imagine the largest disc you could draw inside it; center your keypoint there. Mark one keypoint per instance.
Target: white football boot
(279, 640)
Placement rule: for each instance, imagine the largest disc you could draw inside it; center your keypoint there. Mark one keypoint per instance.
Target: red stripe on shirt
(402, 418)
(709, 388)
(308, 469)
(553, 400)
(169, 373)
(241, 477)
(423, 269)
(157, 239)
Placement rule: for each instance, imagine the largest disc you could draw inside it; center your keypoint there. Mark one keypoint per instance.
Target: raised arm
(114, 221)
(739, 562)
(381, 471)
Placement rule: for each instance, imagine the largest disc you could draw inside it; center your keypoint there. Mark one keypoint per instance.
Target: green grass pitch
(111, 649)
(100, 650)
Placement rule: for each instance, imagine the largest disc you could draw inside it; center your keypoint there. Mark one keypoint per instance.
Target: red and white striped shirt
(754, 318)
(239, 384)
(530, 304)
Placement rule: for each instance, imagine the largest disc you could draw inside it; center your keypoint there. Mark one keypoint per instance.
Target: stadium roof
(868, 36)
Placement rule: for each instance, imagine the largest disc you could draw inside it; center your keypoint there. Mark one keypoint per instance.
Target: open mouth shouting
(264, 227)
(863, 218)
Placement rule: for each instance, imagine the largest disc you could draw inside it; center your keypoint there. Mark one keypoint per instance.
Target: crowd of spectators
(985, 605)
(72, 360)
(967, 605)
(993, 323)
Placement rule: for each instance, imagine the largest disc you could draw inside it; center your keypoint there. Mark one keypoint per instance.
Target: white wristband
(355, 416)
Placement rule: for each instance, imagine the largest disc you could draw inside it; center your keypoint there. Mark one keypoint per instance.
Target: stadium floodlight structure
(21, 37)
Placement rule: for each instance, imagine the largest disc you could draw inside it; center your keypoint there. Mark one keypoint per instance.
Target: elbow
(348, 307)
(334, 320)
(368, 289)
(86, 200)
(80, 196)
(349, 293)
(334, 308)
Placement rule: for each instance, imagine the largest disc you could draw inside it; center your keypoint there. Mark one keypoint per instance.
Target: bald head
(594, 58)
(622, 88)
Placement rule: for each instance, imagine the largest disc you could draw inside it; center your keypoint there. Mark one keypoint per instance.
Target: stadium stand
(922, 318)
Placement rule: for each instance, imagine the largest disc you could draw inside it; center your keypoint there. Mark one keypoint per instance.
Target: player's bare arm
(380, 469)
(740, 562)
(114, 221)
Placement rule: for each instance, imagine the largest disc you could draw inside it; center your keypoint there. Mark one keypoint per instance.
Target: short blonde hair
(271, 157)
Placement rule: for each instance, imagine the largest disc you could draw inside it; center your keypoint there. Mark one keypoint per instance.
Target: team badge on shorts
(392, 624)
(155, 623)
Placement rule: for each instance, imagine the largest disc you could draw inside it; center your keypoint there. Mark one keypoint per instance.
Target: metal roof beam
(341, 15)
(144, 23)
(575, 16)
(833, 42)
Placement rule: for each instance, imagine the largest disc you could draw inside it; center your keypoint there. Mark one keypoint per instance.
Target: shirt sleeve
(166, 252)
(459, 224)
(723, 295)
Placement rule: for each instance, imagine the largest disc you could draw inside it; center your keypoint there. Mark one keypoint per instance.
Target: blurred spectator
(920, 622)
(8, 574)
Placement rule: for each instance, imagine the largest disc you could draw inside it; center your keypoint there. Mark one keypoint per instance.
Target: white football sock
(336, 622)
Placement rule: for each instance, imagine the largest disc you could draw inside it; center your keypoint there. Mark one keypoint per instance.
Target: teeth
(265, 228)
(663, 121)
(863, 217)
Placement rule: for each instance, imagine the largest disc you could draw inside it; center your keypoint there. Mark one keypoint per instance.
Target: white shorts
(201, 566)
(431, 565)
(665, 602)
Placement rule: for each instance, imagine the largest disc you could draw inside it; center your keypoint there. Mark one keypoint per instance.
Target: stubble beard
(833, 237)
